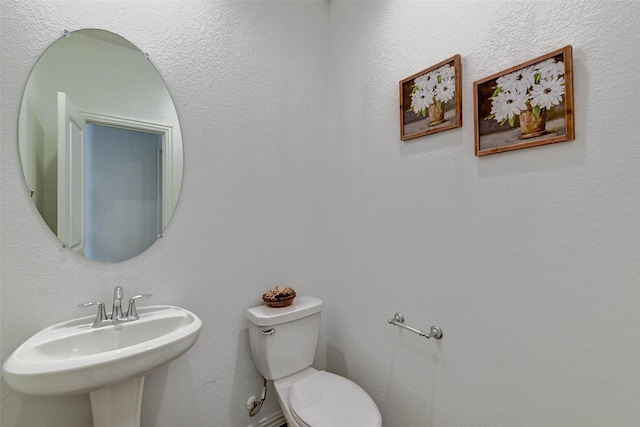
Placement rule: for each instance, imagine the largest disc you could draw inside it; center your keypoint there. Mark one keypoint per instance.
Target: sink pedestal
(118, 404)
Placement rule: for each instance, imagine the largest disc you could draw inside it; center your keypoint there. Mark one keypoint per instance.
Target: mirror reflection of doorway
(90, 76)
(122, 192)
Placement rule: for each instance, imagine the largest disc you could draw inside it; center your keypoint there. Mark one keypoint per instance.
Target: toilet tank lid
(302, 306)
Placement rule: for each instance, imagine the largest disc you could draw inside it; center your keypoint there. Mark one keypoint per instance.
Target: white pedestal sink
(109, 362)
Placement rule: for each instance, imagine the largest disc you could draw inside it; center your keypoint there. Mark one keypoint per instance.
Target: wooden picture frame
(431, 100)
(525, 106)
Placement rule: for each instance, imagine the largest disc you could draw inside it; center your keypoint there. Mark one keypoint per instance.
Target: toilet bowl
(322, 399)
(283, 343)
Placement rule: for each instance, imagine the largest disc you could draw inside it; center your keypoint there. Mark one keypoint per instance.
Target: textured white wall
(528, 260)
(248, 80)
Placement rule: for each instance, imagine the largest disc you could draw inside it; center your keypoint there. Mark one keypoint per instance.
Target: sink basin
(72, 357)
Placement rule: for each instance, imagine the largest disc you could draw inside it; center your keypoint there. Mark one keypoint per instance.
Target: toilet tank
(283, 340)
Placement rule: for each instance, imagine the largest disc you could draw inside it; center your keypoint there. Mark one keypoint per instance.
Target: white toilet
(283, 345)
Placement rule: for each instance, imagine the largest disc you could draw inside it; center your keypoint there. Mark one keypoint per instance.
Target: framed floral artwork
(525, 106)
(431, 100)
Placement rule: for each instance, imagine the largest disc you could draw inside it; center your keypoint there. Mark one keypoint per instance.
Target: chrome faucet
(116, 313)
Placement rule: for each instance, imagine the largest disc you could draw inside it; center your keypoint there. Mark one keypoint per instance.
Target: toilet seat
(324, 399)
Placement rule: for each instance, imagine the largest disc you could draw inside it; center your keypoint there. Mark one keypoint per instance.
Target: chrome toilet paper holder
(434, 331)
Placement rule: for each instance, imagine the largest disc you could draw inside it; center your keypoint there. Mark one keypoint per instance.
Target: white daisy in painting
(445, 89)
(420, 101)
(434, 86)
(547, 93)
(446, 72)
(550, 69)
(520, 80)
(426, 81)
(507, 105)
(541, 86)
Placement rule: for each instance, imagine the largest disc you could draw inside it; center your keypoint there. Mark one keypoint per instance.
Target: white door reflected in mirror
(71, 129)
(122, 192)
(88, 80)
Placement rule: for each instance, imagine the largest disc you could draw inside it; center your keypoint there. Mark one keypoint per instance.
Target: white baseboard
(275, 420)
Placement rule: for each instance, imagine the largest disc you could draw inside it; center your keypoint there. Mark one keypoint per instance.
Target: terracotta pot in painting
(530, 125)
(436, 115)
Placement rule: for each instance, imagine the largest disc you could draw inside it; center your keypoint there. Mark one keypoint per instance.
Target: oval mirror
(100, 145)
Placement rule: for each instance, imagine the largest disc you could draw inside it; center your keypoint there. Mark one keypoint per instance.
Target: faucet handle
(132, 313)
(101, 316)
